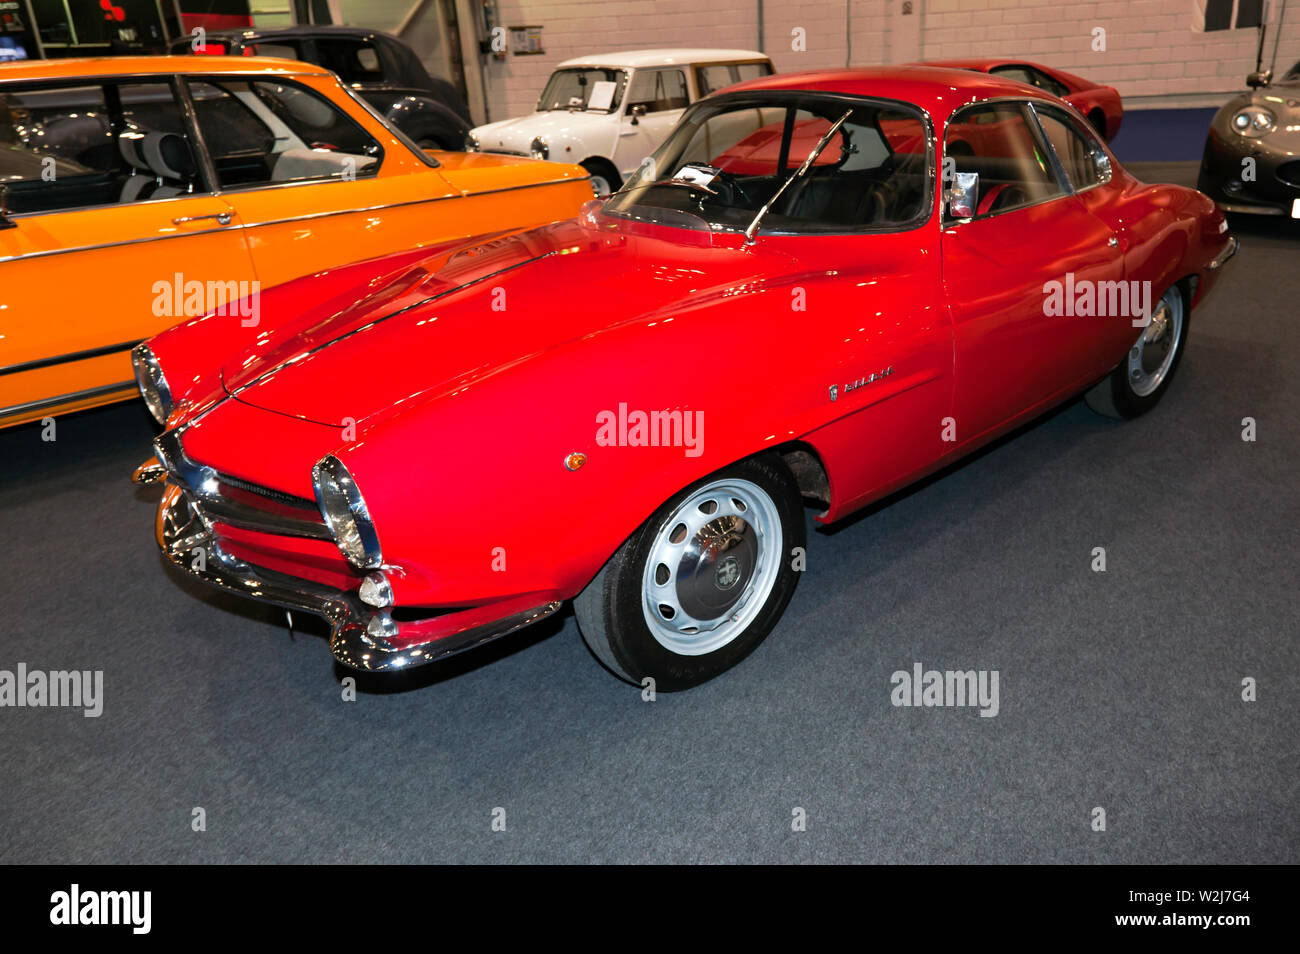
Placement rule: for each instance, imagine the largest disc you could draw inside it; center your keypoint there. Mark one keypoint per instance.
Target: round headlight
(152, 383)
(1253, 122)
(539, 149)
(471, 143)
(345, 513)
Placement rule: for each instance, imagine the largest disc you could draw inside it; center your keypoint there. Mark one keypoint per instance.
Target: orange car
(138, 191)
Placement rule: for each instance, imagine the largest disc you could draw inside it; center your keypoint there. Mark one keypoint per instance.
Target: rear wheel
(701, 583)
(1142, 378)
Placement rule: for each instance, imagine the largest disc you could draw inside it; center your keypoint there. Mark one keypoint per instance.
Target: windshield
(591, 88)
(730, 159)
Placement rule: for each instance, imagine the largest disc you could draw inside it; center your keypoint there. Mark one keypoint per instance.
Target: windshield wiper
(807, 164)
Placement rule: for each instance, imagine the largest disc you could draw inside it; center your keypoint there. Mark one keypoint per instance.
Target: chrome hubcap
(600, 185)
(1151, 357)
(711, 567)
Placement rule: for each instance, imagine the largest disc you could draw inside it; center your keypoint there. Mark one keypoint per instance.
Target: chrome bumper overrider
(1222, 258)
(182, 533)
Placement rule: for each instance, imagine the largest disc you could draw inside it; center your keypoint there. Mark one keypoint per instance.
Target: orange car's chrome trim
(257, 225)
(17, 409)
(45, 253)
(65, 358)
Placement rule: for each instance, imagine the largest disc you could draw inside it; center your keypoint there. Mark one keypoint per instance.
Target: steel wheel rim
(712, 565)
(1152, 355)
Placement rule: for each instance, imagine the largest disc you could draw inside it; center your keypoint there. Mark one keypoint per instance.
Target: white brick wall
(1152, 56)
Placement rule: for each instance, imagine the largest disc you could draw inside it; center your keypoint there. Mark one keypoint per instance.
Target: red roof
(936, 89)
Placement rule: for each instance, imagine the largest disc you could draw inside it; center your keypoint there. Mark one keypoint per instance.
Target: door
(115, 236)
(655, 101)
(1015, 269)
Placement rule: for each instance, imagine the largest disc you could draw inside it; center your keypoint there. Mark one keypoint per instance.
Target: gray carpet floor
(1119, 690)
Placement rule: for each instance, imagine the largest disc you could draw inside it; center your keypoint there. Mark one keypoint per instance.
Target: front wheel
(701, 583)
(1142, 378)
(604, 177)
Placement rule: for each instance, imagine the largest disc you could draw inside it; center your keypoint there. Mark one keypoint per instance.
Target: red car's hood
(448, 320)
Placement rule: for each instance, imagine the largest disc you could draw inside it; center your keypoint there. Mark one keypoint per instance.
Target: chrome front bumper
(183, 535)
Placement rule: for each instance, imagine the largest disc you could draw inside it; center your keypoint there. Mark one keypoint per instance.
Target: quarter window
(997, 142)
(265, 132)
(1076, 149)
(73, 147)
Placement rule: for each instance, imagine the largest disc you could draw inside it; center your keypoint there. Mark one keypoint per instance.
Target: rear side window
(998, 143)
(716, 76)
(1075, 147)
(658, 91)
(353, 61)
(71, 147)
(268, 132)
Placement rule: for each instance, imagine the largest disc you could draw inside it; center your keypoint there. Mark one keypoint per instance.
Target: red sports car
(631, 409)
(1101, 104)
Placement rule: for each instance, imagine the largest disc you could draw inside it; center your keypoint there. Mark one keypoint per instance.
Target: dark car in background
(1262, 125)
(382, 69)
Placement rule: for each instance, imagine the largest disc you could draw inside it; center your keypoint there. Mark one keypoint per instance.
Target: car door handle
(223, 218)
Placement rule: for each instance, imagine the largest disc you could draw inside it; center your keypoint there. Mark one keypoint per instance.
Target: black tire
(1114, 395)
(610, 610)
(603, 169)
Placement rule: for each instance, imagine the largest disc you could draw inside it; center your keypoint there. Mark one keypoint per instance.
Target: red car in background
(1100, 104)
(631, 409)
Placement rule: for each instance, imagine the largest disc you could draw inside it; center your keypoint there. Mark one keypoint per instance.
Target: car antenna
(812, 157)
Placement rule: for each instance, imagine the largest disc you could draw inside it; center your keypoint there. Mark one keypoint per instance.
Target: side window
(354, 62)
(267, 132)
(1027, 74)
(1045, 82)
(716, 76)
(285, 51)
(998, 143)
(658, 91)
(74, 147)
(1076, 149)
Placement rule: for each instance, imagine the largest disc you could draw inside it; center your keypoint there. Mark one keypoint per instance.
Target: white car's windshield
(589, 88)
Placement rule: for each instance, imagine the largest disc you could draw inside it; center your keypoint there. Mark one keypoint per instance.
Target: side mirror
(637, 112)
(1261, 78)
(962, 197)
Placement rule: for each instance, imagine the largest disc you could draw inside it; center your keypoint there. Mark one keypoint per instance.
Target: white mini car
(608, 112)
